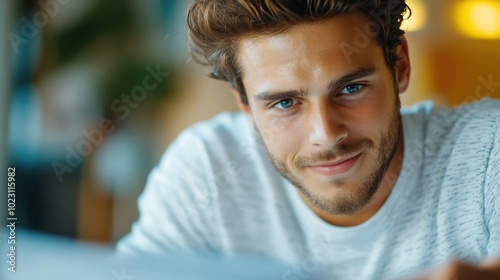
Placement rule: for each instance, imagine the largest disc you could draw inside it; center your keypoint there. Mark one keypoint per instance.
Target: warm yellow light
(418, 16)
(478, 19)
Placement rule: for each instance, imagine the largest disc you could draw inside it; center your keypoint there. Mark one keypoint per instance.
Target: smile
(336, 167)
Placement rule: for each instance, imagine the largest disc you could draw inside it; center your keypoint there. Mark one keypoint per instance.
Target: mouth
(336, 167)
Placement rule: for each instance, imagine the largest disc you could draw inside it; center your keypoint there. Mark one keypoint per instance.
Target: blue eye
(351, 89)
(285, 103)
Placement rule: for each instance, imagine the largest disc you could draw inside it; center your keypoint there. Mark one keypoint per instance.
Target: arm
(489, 268)
(492, 196)
(173, 207)
(486, 270)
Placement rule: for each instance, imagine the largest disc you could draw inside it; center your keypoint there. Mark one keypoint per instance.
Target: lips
(336, 167)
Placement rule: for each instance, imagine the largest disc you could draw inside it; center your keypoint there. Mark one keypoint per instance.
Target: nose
(326, 127)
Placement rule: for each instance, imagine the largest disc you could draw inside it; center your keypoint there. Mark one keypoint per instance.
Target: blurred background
(92, 92)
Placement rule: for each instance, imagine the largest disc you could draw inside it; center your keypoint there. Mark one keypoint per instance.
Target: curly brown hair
(215, 26)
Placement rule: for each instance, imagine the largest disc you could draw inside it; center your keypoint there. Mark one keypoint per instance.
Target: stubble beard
(351, 200)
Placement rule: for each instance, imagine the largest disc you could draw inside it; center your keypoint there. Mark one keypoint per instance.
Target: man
(322, 170)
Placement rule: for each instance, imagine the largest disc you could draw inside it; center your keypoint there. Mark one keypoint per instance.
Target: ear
(403, 67)
(245, 108)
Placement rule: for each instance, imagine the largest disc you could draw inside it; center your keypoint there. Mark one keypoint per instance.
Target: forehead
(339, 44)
(331, 33)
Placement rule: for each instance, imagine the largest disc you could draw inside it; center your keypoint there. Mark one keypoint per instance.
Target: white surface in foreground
(45, 257)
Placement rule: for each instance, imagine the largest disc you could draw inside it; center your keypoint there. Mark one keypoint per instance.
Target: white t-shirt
(216, 192)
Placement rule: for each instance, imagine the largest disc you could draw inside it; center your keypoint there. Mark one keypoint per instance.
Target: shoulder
(473, 113)
(474, 125)
(224, 130)
(195, 164)
(221, 152)
(226, 126)
(464, 143)
(223, 135)
(457, 144)
(469, 125)
(469, 130)
(484, 113)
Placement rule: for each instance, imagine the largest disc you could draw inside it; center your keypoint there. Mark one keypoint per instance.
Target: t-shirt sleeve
(173, 208)
(492, 195)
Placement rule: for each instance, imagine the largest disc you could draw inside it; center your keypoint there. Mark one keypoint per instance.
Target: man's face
(326, 108)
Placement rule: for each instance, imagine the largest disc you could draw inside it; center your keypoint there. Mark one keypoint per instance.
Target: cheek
(282, 137)
(373, 116)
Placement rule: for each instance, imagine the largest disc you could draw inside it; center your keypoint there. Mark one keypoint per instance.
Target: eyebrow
(357, 74)
(335, 84)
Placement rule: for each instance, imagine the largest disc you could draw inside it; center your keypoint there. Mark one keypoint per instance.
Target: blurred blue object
(122, 163)
(45, 257)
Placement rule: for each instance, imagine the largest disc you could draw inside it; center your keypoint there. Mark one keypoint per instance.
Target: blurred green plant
(109, 34)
